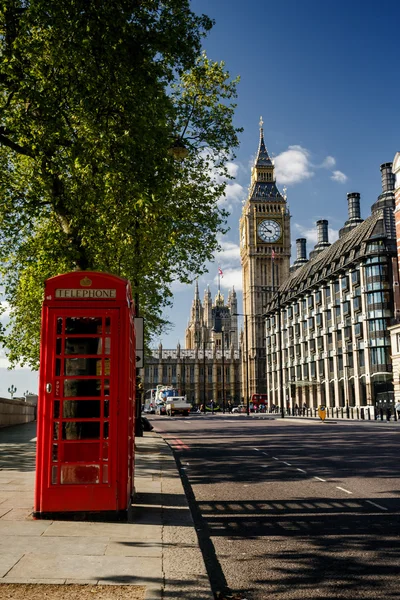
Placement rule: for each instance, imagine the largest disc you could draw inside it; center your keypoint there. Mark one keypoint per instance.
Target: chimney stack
(386, 198)
(322, 243)
(301, 252)
(388, 178)
(354, 213)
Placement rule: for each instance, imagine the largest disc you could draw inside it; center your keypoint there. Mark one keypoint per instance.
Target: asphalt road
(292, 509)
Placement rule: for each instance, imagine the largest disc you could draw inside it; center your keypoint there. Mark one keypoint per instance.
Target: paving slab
(158, 548)
(53, 545)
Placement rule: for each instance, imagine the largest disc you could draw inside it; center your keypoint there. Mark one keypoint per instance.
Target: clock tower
(265, 258)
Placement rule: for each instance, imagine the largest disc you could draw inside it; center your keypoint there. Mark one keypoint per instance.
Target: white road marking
(286, 463)
(266, 453)
(264, 466)
(319, 478)
(343, 490)
(302, 470)
(377, 505)
(274, 457)
(256, 449)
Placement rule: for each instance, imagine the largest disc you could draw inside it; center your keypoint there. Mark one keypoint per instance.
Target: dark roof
(263, 159)
(330, 260)
(265, 190)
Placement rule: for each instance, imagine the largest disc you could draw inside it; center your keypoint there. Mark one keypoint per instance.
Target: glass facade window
(336, 287)
(345, 283)
(379, 356)
(311, 323)
(327, 292)
(310, 302)
(378, 297)
(329, 316)
(346, 308)
(355, 277)
(318, 320)
(377, 325)
(361, 358)
(318, 298)
(330, 339)
(337, 312)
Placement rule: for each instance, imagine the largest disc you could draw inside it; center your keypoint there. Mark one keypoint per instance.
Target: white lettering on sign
(77, 293)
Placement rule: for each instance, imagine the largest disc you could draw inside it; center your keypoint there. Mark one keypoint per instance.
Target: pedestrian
(304, 409)
(296, 409)
(388, 413)
(397, 409)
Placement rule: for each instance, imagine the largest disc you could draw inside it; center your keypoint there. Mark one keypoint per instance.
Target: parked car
(241, 408)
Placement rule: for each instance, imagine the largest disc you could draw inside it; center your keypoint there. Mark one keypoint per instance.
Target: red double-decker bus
(259, 401)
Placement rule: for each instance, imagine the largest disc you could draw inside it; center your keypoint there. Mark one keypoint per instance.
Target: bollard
(352, 412)
(347, 412)
(362, 413)
(369, 414)
(358, 413)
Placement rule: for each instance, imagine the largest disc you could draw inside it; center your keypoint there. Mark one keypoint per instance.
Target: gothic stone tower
(265, 257)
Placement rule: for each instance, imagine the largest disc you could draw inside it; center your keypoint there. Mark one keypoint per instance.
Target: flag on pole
(220, 272)
(273, 254)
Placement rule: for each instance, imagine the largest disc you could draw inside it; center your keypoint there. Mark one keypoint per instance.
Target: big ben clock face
(269, 231)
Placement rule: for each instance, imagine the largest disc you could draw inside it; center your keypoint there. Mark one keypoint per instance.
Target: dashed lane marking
(319, 478)
(343, 490)
(377, 505)
(274, 457)
(302, 470)
(286, 463)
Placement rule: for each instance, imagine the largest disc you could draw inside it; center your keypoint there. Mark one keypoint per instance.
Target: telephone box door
(81, 401)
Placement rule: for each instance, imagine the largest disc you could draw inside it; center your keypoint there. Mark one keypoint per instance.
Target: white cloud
(230, 251)
(234, 194)
(232, 277)
(293, 165)
(328, 163)
(339, 177)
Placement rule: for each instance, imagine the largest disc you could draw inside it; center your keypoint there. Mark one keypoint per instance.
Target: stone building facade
(208, 368)
(327, 328)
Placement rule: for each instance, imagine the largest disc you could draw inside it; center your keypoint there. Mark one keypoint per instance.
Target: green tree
(92, 95)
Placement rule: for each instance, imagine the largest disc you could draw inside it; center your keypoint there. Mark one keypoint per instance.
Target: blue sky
(324, 77)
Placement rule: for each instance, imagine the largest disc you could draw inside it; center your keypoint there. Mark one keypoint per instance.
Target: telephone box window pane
(105, 451)
(107, 346)
(105, 473)
(79, 474)
(81, 430)
(106, 366)
(54, 470)
(58, 346)
(106, 409)
(106, 387)
(59, 326)
(82, 366)
(55, 453)
(82, 387)
(56, 411)
(105, 431)
(55, 430)
(81, 452)
(83, 409)
(58, 367)
(108, 325)
(83, 325)
(82, 346)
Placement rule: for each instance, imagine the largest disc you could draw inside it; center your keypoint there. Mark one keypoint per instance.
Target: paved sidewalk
(158, 548)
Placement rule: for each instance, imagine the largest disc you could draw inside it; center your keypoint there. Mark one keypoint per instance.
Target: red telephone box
(86, 411)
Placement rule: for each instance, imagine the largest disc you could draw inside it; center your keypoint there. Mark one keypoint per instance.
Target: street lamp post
(223, 370)
(247, 359)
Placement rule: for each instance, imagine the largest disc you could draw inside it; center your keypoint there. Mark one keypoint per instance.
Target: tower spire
(263, 159)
